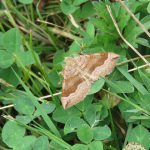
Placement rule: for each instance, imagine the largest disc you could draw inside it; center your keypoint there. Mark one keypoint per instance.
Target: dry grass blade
(140, 67)
(8, 106)
(56, 30)
(72, 20)
(5, 83)
(133, 16)
(40, 99)
(120, 34)
(133, 59)
(48, 96)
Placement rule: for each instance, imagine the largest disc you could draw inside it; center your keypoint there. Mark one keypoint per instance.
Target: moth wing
(101, 64)
(78, 73)
(75, 86)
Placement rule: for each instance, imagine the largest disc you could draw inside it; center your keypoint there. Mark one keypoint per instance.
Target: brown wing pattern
(81, 71)
(106, 68)
(75, 85)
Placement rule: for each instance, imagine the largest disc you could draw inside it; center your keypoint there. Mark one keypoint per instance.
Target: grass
(36, 37)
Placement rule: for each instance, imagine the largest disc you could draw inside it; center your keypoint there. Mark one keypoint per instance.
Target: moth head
(114, 56)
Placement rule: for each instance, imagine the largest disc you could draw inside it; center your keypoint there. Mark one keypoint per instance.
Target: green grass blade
(37, 105)
(54, 138)
(137, 84)
(40, 130)
(145, 79)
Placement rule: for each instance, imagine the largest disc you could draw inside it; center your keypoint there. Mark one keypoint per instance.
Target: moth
(81, 71)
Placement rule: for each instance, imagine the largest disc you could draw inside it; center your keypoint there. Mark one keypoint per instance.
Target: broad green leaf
(101, 133)
(54, 78)
(34, 100)
(120, 86)
(25, 58)
(55, 146)
(145, 79)
(61, 115)
(6, 59)
(140, 135)
(41, 143)
(78, 2)
(25, 143)
(82, 106)
(96, 145)
(8, 75)
(128, 111)
(145, 22)
(136, 84)
(26, 1)
(101, 10)
(122, 17)
(97, 86)
(48, 107)
(110, 101)
(58, 59)
(85, 133)
(1, 40)
(130, 32)
(90, 114)
(24, 119)
(134, 4)
(116, 9)
(103, 23)
(146, 123)
(74, 48)
(12, 133)
(72, 124)
(102, 26)
(87, 39)
(12, 40)
(103, 113)
(84, 13)
(144, 101)
(23, 103)
(143, 41)
(94, 50)
(90, 29)
(148, 8)
(79, 147)
(67, 7)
